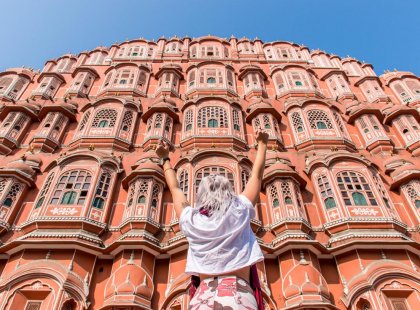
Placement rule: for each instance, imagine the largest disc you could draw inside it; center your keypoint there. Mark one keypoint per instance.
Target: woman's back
(223, 245)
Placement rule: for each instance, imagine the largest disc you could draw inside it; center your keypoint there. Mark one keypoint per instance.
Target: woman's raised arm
(253, 187)
(178, 196)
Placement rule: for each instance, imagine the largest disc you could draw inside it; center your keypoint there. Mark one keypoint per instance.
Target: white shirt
(217, 247)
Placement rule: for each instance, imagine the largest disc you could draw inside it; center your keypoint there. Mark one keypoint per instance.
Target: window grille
(108, 115)
(274, 196)
(326, 192)
(297, 122)
(12, 194)
(102, 190)
(319, 119)
(355, 189)
(44, 191)
(212, 117)
(72, 188)
(184, 181)
(127, 121)
(236, 123)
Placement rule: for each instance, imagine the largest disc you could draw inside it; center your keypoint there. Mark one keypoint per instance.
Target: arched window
(72, 188)
(297, 122)
(191, 78)
(212, 123)
(236, 122)
(355, 189)
(105, 118)
(321, 125)
(84, 121)
(102, 190)
(155, 195)
(288, 200)
(266, 120)
(103, 123)
(44, 191)
(212, 117)
(68, 198)
(274, 196)
(183, 181)
(211, 80)
(143, 190)
(359, 199)
(326, 192)
(12, 193)
(204, 172)
(244, 178)
(319, 119)
(127, 121)
(412, 193)
(188, 121)
(158, 120)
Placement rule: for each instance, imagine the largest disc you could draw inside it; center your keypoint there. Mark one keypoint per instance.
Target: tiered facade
(86, 221)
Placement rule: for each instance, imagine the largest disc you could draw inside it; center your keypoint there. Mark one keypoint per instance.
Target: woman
(222, 246)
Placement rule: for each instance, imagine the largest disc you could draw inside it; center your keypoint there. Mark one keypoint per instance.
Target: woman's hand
(162, 150)
(261, 136)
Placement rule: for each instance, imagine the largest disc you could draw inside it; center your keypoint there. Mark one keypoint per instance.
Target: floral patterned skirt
(223, 293)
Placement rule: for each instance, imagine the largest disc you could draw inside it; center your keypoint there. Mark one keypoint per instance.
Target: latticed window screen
(155, 195)
(72, 188)
(286, 193)
(158, 120)
(339, 122)
(236, 122)
(127, 121)
(184, 181)
(381, 189)
(355, 189)
(143, 189)
(44, 191)
(412, 190)
(212, 117)
(84, 121)
(266, 121)
(204, 172)
(12, 194)
(256, 123)
(274, 196)
(244, 178)
(326, 192)
(10, 117)
(102, 190)
(319, 119)
(297, 122)
(105, 118)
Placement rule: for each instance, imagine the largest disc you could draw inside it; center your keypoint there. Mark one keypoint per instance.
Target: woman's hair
(214, 195)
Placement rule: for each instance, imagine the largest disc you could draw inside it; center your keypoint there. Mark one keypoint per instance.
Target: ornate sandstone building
(87, 223)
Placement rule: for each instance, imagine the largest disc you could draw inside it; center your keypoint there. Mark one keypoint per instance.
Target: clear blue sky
(382, 32)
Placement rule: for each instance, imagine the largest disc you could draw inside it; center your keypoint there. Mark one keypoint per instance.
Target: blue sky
(382, 32)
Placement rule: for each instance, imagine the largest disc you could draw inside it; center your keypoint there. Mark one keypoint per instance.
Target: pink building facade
(86, 220)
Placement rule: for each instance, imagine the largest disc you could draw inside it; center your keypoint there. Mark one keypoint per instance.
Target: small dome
(129, 279)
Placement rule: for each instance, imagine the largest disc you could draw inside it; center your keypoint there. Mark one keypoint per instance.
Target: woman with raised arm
(223, 249)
